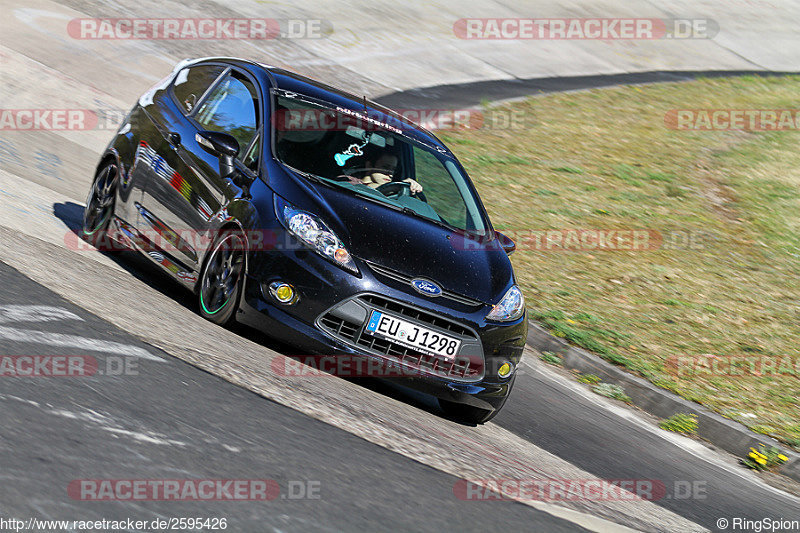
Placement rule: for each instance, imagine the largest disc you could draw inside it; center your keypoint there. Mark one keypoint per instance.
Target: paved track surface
(160, 418)
(381, 454)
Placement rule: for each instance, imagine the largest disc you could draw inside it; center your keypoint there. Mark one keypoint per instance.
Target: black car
(321, 218)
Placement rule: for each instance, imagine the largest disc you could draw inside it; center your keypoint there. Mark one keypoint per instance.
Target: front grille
(415, 314)
(340, 327)
(465, 366)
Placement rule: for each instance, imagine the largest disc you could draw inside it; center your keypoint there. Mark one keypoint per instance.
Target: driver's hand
(376, 179)
(415, 186)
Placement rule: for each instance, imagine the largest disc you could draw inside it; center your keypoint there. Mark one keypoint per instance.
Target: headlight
(312, 232)
(510, 307)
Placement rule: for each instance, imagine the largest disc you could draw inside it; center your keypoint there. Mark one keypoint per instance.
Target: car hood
(415, 247)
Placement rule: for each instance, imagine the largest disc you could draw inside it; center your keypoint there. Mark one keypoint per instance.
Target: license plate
(412, 336)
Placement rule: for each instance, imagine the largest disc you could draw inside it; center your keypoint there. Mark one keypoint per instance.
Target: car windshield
(355, 152)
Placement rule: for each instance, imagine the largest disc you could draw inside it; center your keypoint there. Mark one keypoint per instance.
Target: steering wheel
(395, 189)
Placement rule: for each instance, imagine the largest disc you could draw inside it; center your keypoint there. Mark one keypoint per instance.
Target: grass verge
(713, 311)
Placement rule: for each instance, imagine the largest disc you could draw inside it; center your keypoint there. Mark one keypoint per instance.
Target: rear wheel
(100, 205)
(221, 278)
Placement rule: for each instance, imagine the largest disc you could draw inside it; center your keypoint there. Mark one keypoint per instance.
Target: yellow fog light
(505, 370)
(283, 292)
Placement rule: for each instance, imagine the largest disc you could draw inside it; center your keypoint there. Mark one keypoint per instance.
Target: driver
(381, 171)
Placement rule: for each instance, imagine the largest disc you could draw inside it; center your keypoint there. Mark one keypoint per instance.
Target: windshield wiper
(438, 222)
(326, 181)
(308, 175)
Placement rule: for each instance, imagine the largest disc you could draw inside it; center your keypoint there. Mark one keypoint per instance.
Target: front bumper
(333, 305)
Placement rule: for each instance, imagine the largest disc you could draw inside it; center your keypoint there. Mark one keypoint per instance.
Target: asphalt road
(211, 406)
(472, 94)
(622, 444)
(138, 418)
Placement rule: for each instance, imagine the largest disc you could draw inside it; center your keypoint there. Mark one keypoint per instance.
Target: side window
(250, 159)
(191, 83)
(439, 188)
(232, 108)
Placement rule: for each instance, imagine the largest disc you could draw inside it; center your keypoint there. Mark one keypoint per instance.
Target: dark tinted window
(232, 108)
(440, 188)
(191, 83)
(348, 151)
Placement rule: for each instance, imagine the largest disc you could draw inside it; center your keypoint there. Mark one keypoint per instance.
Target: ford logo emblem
(428, 288)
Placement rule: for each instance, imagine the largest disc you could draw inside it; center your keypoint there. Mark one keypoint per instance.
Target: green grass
(589, 379)
(680, 423)
(726, 205)
(569, 169)
(610, 390)
(551, 358)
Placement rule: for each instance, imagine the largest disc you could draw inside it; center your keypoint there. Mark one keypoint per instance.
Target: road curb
(726, 434)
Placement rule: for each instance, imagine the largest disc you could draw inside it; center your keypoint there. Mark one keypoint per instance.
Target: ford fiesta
(323, 219)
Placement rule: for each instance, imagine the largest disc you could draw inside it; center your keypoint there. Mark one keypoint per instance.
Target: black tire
(100, 206)
(221, 278)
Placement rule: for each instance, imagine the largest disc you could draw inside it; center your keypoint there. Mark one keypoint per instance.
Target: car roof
(291, 81)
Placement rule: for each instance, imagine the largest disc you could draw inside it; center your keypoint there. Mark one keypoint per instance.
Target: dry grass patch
(604, 159)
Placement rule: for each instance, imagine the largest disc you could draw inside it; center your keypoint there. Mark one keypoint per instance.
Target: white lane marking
(35, 313)
(104, 423)
(18, 399)
(149, 438)
(87, 415)
(75, 341)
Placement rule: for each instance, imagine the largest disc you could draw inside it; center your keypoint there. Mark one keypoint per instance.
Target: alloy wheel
(222, 274)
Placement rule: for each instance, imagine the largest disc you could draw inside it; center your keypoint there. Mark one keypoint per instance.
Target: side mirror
(221, 145)
(506, 243)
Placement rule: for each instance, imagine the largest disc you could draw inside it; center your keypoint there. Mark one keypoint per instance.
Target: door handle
(174, 139)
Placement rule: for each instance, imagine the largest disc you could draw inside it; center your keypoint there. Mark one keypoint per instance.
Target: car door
(233, 106)
(178, 207)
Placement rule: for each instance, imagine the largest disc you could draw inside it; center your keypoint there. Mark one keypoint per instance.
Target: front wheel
(222, 277)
